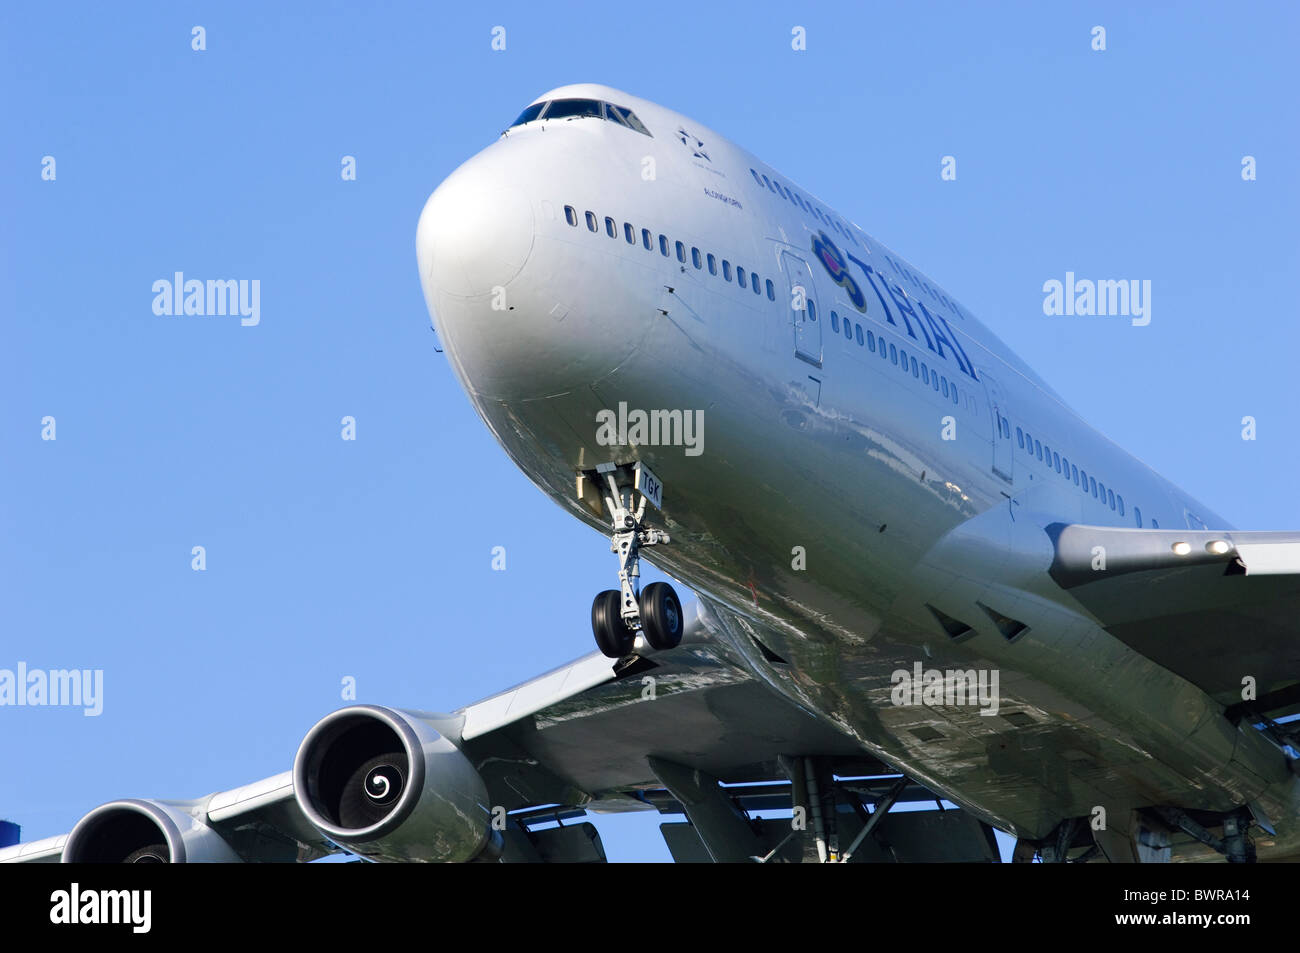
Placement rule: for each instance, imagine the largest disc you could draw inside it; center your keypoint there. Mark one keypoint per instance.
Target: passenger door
(1003, 450)
(801, 300)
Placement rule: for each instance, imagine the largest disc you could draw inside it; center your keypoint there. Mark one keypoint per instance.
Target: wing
(257, 822)
(659, 733)
(1210, 606)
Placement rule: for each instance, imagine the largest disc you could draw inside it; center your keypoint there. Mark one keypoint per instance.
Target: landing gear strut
(618, 615)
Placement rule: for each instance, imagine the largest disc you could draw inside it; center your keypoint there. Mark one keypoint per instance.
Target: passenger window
(1074, 475)
(610, 229)
(713, 264)
(696, 260)
(756, 178)
(848, 329)
(925, 374)
(812, 310)
(1092, 485)
(663, 245)
(835, 322)
(1101, 492)
(771, 292)
(944, 381)
(591, 222)
(916, 371)
(1056, 461)
(1038, 450)
(1110, 498)
(893, 353)
(647, 240)
(629, 233)
(768, 183)
(681, 253)
(1137, 515)
(754, 283)
(871, 341)
(902, 359)
(570, 215)
(934, 381)
(740, 276)
(1083, 477)
(1155, 523)
(857, 330)
(1020, 438)
(1120, 500)
(954, 393)
(726, 269)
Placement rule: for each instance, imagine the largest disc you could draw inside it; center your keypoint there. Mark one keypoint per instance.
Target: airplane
(919, 575)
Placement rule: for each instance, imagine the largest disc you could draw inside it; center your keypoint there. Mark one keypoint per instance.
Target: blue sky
(372, 558)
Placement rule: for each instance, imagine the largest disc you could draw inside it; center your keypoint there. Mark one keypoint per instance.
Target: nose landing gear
(618, 615)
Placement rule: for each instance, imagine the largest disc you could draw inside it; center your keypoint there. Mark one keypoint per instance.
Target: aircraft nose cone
(474, 235)
(521, 316)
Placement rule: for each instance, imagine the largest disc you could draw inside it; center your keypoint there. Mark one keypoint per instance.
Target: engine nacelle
(387, 785)
(135, 831)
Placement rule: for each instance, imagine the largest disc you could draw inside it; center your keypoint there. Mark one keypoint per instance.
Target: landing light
(1217, 546)
(1182, 549)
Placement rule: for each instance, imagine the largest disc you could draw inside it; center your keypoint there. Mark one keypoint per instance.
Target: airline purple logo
(838, 268)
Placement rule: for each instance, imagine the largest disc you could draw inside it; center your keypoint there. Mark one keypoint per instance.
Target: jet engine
(389, 786)
(135, 831)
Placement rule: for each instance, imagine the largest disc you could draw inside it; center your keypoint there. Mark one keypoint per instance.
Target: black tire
(662, 621)
(153, 854)
(613, 636)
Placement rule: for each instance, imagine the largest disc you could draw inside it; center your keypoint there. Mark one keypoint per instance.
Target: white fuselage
(813, 443)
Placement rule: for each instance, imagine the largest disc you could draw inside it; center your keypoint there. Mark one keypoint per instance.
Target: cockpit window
(628, 118)
(529, 114)
(614, 114)
(575, 108)
(569, 108)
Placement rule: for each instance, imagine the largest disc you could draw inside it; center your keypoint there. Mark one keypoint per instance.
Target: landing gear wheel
(612, 634)
(661, 616)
